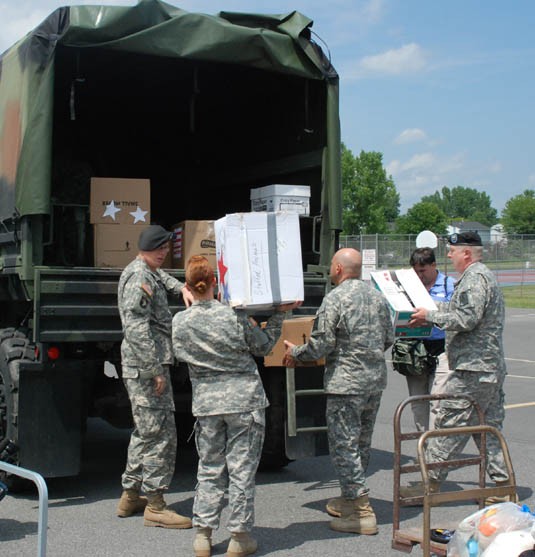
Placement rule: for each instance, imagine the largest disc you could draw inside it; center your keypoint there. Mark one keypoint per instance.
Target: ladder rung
(309, 392)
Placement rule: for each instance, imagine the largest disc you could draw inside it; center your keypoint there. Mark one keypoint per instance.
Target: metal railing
(38, 480)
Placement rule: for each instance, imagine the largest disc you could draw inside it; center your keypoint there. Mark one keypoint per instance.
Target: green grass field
(519, 296)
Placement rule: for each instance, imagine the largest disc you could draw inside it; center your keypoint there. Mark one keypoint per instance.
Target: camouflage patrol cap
(470, 238)
(153, 237)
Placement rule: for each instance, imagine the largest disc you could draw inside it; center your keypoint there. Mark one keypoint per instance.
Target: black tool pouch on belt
(410, 357)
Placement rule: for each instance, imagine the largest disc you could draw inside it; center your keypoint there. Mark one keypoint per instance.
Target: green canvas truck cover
(275, 43)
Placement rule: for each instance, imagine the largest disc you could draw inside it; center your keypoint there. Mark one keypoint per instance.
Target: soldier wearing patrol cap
(473, 321)
(146, 355)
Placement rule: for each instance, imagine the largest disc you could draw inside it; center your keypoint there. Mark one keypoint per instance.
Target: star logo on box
(111, 210)
(139, 215)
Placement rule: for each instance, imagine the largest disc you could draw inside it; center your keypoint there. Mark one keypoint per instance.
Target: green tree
(518, 215)
(423, 216)
(369, 199)
(460, 203)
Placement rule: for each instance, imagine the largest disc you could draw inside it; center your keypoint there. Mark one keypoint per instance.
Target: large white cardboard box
(259, 259)
(281, 197)
(404, 292)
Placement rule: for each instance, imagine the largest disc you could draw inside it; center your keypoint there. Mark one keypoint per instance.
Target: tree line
(370, 203)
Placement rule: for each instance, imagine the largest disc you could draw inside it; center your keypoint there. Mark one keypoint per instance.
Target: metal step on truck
(206, 108)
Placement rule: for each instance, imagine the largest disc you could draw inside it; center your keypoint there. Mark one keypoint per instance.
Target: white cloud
(410, 135)
(408, 59)
(418, 162)
(495, 167)
(424, 173)
(373, 10)
(531, 179)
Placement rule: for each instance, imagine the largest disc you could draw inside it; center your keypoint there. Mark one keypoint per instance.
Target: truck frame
(206, 107)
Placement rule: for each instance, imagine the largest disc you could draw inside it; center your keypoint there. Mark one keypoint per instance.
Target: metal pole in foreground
(38, 480)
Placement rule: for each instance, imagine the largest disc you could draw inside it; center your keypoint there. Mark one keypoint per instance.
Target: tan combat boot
(157, 514)
(493, 499)
(334, 506)
(417, 490)
(241, 544)
(357, 517)
(130, 503)
(202, 544)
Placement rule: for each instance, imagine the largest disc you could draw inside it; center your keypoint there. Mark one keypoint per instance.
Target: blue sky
(443, 89)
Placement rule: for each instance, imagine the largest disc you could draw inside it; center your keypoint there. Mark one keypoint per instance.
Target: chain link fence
(511, 253)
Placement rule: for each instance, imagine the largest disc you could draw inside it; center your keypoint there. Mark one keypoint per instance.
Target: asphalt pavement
(290, 517)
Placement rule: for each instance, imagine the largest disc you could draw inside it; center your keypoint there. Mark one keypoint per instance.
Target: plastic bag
(478, 531)
(510, 544)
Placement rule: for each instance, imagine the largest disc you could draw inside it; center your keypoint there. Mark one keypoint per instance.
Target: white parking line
(520, 405)
(523, 315)
(519, 360)
(521, 376)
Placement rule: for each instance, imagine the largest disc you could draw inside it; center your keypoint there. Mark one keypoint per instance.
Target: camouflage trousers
(151, 455)
(350, 423)
(458, 413)
(229, 447)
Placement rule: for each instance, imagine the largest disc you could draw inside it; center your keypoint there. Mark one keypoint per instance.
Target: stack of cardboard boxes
(119, 211)
(257, 255)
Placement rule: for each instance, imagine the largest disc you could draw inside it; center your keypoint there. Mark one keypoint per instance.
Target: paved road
(290, 517)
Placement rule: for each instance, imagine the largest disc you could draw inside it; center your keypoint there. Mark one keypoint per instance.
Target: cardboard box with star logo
(119, 201)
(119, 211)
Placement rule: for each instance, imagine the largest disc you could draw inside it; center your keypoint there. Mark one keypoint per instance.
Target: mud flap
(50, 415)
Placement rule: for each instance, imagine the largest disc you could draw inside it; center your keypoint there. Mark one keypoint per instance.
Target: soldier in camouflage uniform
(229, 403)
(473, 320)
(146, 356)
(352, 330)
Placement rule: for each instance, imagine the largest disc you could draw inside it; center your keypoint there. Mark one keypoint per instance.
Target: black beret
(469, 238)
(153, 237)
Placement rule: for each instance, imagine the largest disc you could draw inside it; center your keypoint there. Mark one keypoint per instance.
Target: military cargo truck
(206, 108)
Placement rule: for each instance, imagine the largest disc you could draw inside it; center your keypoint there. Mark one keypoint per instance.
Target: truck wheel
(14, 347)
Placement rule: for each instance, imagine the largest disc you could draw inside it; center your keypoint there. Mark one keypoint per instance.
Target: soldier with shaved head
(352, 330)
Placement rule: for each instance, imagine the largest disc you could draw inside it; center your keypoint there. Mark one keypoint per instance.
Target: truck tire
(14, 347)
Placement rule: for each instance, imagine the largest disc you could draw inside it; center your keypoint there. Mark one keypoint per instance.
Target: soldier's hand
(418, 318)
(159, 384)
(289, 306)
(187, 296)
(288, 360)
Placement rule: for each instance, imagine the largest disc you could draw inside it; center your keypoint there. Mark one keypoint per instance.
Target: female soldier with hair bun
(218, 344)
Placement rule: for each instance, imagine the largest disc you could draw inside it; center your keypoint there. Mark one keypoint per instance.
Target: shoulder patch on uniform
(147, 289)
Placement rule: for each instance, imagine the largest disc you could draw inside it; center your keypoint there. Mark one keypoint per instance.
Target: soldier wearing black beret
(153, 237)
(473, 320)
(470, 238)
(146, 356)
